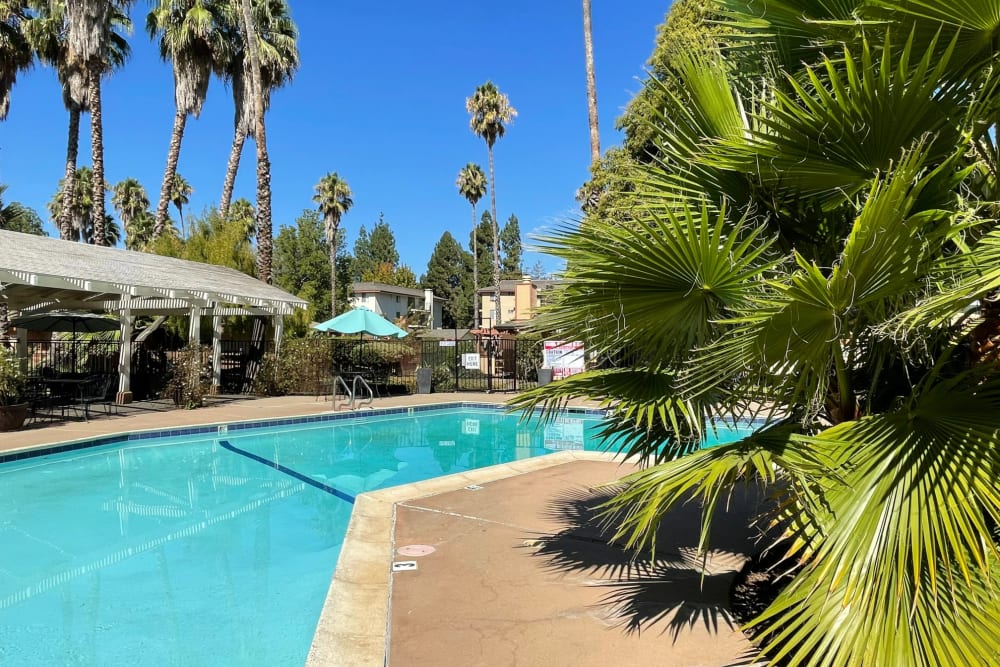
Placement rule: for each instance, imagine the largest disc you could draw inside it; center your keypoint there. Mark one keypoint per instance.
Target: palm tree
(191, 36)
(264, 241)
(180, 193)
(88, 31)
(132, 203)
(588, 47)
(279, 59)
(242, 210)
(13, 215)
(816, 249)
(48, 33)
(333, 197)
(491, 112)
(472, 185)
(15, 52)
(82, 213)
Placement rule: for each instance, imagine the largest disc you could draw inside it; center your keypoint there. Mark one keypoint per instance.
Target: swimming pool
(216, 545)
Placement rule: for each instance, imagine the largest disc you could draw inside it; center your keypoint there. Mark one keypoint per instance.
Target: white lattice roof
(39, 269)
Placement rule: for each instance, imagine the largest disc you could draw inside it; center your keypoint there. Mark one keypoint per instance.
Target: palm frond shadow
(677, 589)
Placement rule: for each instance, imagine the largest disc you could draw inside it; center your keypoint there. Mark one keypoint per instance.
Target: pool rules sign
(565, 358)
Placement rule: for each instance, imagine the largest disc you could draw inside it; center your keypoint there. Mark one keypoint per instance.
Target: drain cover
(404, 565)
(415, 550)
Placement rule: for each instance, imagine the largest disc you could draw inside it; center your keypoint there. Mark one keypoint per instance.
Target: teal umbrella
(362, 321)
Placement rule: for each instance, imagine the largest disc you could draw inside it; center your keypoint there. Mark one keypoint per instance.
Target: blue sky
(380, 99)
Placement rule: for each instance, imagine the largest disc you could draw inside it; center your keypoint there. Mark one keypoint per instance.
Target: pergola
(38, 273)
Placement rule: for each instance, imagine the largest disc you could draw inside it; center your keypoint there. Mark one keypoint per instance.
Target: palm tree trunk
(232, 167)
(496, 244)
(475, 270)
(97, 153)
(180, 214)
(588, 46)
(333, 274)
(263, 162)
(69, 180)
(162, 207)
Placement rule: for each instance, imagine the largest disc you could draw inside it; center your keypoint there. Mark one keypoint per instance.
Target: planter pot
(424, 380)
(544, 376)
(12, 416)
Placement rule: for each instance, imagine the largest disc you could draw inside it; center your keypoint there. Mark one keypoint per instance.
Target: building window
(397, 298)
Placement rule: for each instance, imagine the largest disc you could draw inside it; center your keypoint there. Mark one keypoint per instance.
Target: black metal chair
(95, 390)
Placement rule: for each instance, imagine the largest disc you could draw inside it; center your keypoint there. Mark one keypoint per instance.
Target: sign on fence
(565, 358)
(470, 361)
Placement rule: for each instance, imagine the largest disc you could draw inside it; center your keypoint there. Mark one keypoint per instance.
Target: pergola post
(194, 326)
(125, 359)
(216, 354)
(279, 330)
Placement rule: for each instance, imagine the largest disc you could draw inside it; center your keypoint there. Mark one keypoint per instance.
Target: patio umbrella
(363, 321)
(63, 320)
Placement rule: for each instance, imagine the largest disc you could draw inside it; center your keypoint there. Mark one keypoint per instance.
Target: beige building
(519, 301)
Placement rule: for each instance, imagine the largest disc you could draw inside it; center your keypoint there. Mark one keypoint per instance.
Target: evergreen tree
(449, 276)
(302, 265)
(484, 243)
(510, 249)
(376, 258)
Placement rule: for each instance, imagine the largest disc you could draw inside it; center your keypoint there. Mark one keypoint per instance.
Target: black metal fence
(307, 365)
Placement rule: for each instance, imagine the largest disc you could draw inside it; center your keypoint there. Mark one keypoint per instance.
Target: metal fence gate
(486, 364)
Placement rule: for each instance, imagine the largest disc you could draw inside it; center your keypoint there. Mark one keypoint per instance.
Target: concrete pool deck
(521, 572)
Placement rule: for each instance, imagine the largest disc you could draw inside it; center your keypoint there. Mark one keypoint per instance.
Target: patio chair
(37, 394)
(95, 390)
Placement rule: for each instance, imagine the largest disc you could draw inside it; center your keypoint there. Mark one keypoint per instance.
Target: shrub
(189, 377)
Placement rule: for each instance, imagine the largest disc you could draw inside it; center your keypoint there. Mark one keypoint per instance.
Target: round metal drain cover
(415, 550)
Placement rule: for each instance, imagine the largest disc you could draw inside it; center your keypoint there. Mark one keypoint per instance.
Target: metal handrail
(339, 380)
(364, 385)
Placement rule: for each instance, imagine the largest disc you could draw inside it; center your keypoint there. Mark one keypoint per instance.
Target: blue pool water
(215, 548)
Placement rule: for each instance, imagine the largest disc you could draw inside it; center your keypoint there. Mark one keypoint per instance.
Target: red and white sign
(565, 358)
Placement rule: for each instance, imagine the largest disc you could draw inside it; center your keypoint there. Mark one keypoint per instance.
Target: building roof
(369, 287)
(507, 286)
(40, 269)
(445, 334)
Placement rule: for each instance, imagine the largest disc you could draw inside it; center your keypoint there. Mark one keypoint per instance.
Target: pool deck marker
(416, 550)
(404, 565)
(225, 444)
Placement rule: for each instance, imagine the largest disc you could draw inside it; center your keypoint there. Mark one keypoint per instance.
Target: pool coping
(354, 626)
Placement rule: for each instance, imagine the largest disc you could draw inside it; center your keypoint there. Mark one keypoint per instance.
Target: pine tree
(510, 249)
(449, 275)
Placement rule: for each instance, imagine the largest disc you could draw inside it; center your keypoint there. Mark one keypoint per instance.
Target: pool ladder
(351, 392)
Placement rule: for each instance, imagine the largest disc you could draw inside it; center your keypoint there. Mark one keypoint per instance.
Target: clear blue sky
(380, 99)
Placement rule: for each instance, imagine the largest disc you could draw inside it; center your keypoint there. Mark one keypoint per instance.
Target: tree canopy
(813, 248)
(449, 275)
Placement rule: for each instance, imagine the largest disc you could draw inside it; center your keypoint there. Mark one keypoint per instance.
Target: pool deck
(521, 573)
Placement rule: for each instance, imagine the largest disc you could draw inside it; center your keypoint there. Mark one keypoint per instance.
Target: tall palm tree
(180, 195)
(472, 185)
(334, 199)
(491, 112)
(277, 38)
(15, 52)
(191, 37)
(264, 240)
(88, 36)
(588, 47)
(817, 248)
(48, 32)
(82, 214)
(132, 203)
